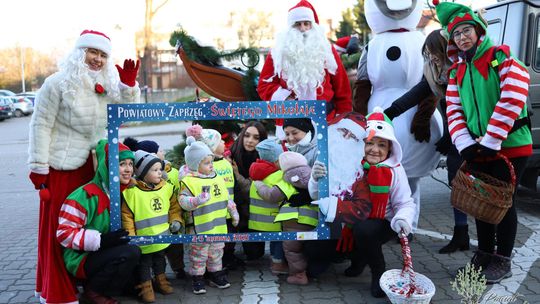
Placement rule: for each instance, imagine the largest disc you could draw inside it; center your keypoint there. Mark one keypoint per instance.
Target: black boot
(377, 269)
(500, 267)
(460, 240)
(480, 260)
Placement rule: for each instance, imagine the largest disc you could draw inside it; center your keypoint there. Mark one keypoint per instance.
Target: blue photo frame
(122, 113)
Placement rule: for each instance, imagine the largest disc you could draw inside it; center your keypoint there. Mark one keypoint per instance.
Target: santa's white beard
(78, 76)
(301, 60)
(344, 161)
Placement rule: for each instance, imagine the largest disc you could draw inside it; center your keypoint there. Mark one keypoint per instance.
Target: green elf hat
(452, 14)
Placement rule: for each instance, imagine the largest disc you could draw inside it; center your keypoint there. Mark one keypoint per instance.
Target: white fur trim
(39, 169)
(352, 126)
(340, 49)
(300, 14)
(95, 41)
(332, 209)
(281, 94)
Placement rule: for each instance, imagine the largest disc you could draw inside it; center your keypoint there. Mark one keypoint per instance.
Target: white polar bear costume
(394, 65)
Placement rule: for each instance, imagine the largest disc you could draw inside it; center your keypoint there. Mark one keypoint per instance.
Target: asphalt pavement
(254, 283)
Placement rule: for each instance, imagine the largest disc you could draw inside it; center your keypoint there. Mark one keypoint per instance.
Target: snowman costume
(393, 64)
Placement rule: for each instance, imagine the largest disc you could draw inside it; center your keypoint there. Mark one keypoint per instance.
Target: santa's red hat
(302, 11)
(341, 44)
(95, 40)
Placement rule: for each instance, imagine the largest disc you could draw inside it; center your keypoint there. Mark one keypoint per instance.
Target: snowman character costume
(392, 64)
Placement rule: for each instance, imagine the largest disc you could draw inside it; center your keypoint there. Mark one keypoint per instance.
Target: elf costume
(486, 95)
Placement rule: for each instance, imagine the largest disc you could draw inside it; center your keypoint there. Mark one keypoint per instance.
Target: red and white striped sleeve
(71, 232)
(457, 126)
(514, 84)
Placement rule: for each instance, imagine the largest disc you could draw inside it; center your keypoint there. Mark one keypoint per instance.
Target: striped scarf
(379, 179)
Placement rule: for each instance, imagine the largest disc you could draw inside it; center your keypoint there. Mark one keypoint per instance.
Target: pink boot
(298, 278)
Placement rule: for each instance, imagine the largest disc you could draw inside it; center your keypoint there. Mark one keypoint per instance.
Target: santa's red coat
(336, 88)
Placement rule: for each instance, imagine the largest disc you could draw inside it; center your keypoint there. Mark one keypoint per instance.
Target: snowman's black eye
(380, 127)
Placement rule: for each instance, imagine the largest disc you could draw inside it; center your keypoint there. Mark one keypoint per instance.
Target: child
(150, 208)
(263, 209)
(204, 194)
(296, 214)
(223, 168)
(175, 252)
(392, 205)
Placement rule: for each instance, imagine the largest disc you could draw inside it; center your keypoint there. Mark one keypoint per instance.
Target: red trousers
(52, 279)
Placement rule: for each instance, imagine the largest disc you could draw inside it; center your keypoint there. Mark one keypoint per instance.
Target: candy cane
(407, 263)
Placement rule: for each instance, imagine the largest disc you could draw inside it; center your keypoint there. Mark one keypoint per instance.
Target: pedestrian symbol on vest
(217, 192)
(156, 204)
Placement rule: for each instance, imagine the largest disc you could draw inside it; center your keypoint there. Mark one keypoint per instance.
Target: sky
(52, 26)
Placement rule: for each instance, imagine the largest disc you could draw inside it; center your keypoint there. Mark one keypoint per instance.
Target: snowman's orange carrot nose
(371, 134)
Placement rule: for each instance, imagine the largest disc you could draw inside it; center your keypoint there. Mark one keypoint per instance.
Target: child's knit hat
(269, 150)
(290, 159)
(149, 146)
(210, 137)
(143, 162)
(194, 153)
(379, 125)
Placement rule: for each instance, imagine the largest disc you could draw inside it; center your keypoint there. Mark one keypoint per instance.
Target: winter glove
(201, 198)
(444, 144)
(324, 204)
(486, 152)
(300, 199)
(470, 153)
(128, 73)
(235, 217)
(318, 170)
(346, 240)
(402, 225)
(421, 130)
(40, 181)
(176, 227)
(112, 239)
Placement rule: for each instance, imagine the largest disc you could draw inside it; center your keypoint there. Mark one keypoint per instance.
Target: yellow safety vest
(262, 214)
(307, 214)
(209, 218)
(172, 174)
(151, 212)
(224, 169)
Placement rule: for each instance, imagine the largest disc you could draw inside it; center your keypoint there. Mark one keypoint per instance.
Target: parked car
(29, 95)
(517, 23)
(23, 106)
(6, 108)
(6, 93)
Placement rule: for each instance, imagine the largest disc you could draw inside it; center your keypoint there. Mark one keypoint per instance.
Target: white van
(517, 24)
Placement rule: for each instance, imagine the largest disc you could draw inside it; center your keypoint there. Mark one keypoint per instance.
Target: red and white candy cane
(407, 264)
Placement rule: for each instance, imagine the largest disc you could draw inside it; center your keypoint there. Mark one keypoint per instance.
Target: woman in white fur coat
(69, 119)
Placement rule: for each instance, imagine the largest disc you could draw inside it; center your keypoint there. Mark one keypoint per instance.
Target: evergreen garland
(208, 55)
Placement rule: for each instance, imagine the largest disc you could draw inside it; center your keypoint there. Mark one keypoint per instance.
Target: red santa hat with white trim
(95, 40)
(302, 11)
(341, 44)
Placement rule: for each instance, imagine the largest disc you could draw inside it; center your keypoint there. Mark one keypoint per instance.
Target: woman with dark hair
(243, 154)
(487, 116)
(434, 83)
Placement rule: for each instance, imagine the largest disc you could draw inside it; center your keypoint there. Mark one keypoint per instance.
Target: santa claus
(349, 196)
(303, 65)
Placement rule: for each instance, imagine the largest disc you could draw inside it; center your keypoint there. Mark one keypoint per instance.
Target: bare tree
(254, 26)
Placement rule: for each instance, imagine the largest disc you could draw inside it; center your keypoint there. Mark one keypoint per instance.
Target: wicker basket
(481, 195)
(395, 279)
(392, 276)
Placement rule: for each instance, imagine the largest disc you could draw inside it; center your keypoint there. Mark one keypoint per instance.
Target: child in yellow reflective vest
(263, 209)
(150, 208)
(296, 213)
(204, 194)
(223, 168)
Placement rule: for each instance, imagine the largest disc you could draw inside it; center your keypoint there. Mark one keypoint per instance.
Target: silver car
(23, 106)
